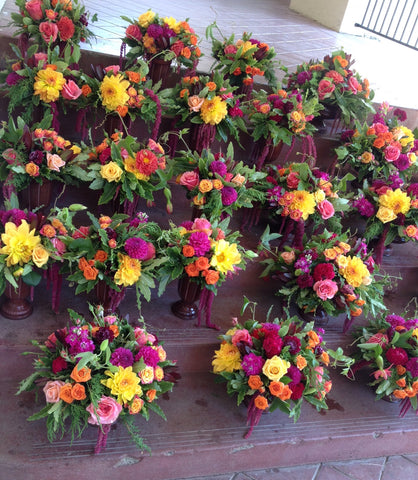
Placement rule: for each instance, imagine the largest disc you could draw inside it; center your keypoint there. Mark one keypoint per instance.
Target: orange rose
(32, 169)
(261, 402)
(211, 276)
(151, 395)
(188, 251)
(114, 329)
(65, 393)
(276, 388)
(205, 186)
(85, 90)
(254, 382)
(195, 103)
(186, 53)
(191, 270)
(122, 110)
(202, 263)
(90, 273)
(78, 392)
(217, 184)
(401, 382)
(396, 393)
(48, 230)
(356, 312)
(286, 393)
(82, 375)
(101, 256)
(325, 358)
(400, 370)
(82, 264)
(133, 76)
(301, 362)
(211, 86)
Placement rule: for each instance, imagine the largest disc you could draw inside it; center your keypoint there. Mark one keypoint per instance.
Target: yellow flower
(227, 359)
(225, 256)
(173, 24)
(40, 256)
(396, 200)
(319, 196)
(136, 405)
(245, 46)
(303, 201)
(385, 214)
(129, 270)
(275, 367)
(75, 149)
(213, 111)
(19, 243)
(355, 271)
(146, 19)
(130, 166)
(48, 84)
(146, 374)
(111, 172)
(113, 91)
(124, 384)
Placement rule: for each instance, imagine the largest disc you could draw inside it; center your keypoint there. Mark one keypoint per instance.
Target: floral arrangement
(116, 251)
(126, 170)
(25, 250)
(381, 148)
(51, 23)
(388, 345)
(327, 274)
(334, 83)
(207, 101)
(34, 154)
(276, 364)
(243, 59)
(216, 184)
(152, 35)
(96, 372)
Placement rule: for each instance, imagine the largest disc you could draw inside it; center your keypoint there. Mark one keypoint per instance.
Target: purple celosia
(122, 357)
(293, 343)
(188, 225)
(319, 174)
(14, 215)
(136, 248)
(149, 355)
(252, 364)
(347, 135)
(305, 281)
(401, 114)
(13, 78)
(413, 190)
(140, 218)
(412, 366)
(413, 323)
(155, 31)
(303, 77)
(395, 320)
(36, 156)
(218, 167)
(402, 163)
(395, 181)
(272, 345)
(228, 195)
(200, 242)
(364, 207)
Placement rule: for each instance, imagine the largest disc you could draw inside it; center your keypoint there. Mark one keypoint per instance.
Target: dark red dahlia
(323, 271)
(397, 356)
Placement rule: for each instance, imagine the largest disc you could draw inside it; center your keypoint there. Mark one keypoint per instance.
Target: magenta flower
(272, 345)
(122, 357)
(228, 195)
(252, 364)
(200, 242)
(218, 167)
(136, 248)
(150, 356)
(397, 356)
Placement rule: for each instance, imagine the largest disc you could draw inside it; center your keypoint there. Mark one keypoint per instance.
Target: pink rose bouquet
(96, 372)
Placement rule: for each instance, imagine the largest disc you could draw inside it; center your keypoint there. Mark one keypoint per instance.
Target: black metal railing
(396, 20)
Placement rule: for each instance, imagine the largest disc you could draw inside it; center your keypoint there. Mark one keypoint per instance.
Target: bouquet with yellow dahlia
(329, 275)
(336, 86)
(388, 346)
(216, 184)
(151, 35)
(391, 209)
(276, 364)
(380, 148)
(126, 170)
(51, 23)
(96, 372)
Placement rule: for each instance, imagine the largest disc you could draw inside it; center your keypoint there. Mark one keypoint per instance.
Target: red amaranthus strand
(262, 158)
(102, 438)
(253, 416)
(157, 123)
(380, 247)
(205, 308)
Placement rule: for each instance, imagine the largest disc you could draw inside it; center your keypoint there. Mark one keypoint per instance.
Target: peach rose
(189, 180)
(52, 391)
(107, 411)
(205, 186)
(288, 257)
(54, 161)
(195, 103)
(238, 179)
(40, 256)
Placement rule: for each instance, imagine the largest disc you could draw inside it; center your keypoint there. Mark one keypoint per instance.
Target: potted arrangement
(201, 255)
(160, 41)
(278, 363)
(216, 184)
(387, 346)
(328, 276)
(97, 372)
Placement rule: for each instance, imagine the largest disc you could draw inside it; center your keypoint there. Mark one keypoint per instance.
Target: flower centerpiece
(276, 364)
(380, 148)
(279, 118)
(210, 106)
(216, 184)
(96, 372)
(336, 85)
(243, 59)
(51, 23)
(391, 210)
(151, 36)
(203, 253)
(35, 155)
(109, 253)
(388, 346)
(328, 276)
(126, 170)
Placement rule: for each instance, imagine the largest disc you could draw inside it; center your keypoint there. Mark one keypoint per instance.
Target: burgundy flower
(228, 195)
(401, 114)
(413, 189)
(13, 78)
(305, 281)
(323, 271)
(272, 345)
(136, 248)
(58, 364)
(270, 328)
(104, 333)
(297, 391)
(294, 374)
(36, 156)
(364, 207)
(154, 31)
(303, 77)
(150, 356)
(252, 364)
(122, 357)
(293, 343)
(397, 356)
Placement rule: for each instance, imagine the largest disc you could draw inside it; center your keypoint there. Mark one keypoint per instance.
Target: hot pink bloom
(106, 413)
(326, 209)
(391, 153)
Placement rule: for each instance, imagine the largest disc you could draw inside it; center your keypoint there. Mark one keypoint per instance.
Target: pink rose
(112, 68)
(150, 253)
(292, 180)
(134, 32)
(325, 89)
(49, 31)
(230, 51)
(202, 225)
(52, 391)
(142, 337)
(154, 146)
(59, 246)
(40, 57)
(189, 180)
(325, 289)
(107, 411)
(326, 209)
(110, 319)
(228, 177)
(71, 90)
(380, 128)
(242, 336)
(34, 8)
(354, 85)
(9, 155)
(54, 161)
(391, 153)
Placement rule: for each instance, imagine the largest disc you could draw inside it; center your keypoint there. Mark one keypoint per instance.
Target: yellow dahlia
(124, 384)
(225, 256)
(19, 243)
(146, 19)
(303, 201)
(397, 200)
(129, 271)
(113, 91)
(354, 271)
(48, 84)
(213, 111)
(227, 359)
